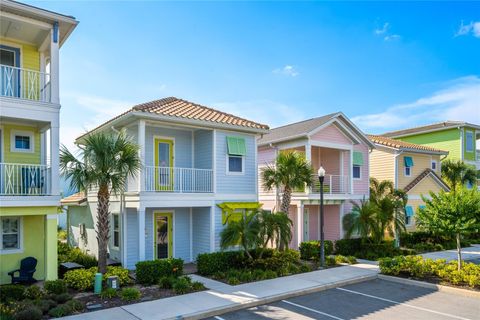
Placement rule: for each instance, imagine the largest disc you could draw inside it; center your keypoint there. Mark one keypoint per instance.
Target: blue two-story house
(199, 165)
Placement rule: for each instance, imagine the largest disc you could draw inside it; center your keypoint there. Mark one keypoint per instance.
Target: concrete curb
(262, 301)
(439, 287)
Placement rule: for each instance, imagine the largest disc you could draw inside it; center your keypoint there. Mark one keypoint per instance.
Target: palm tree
(291, 171)
(380, 189)
(361, 220)
(275, 227)
(457, 173)
(400, 199)
(244, 232)
(105, 162)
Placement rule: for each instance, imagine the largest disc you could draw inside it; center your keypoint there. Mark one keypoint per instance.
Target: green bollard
(98, 283)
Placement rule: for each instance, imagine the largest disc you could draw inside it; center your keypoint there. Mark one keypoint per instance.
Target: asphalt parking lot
(376, 299)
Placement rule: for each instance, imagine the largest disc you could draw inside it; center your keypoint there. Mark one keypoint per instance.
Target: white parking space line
(218, 318)
(404, 304)
(312, 310)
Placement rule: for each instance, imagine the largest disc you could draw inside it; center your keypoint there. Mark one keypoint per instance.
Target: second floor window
(357, 165)
(469, 141)
(357, 172)
(434, 165)
(408, 162)
(21, 141)
(236, 150)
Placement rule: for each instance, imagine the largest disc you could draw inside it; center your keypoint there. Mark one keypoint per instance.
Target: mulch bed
(436, 280)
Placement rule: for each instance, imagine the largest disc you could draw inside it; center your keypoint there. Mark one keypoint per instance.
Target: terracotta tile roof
(183, 109)
(76, 198)
(429, 127)
(402, 145)
(423, 175)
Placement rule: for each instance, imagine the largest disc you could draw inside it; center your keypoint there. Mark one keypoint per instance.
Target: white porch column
(350, 170)
(141, 234)
(55, 159)
(141, 143)
(308, 157)
(212, 228)
(342, 213)
(214, 160)
(54, 65)
(300, 209)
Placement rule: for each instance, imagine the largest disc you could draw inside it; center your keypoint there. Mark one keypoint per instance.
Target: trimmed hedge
(211, 263)
(364, 249)
(150, 272)
(423, 241)
(83, 279)
(310, 250)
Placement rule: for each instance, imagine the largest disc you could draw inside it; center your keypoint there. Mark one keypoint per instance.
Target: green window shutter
(408, 161)
(409, 211)
(357, 158)
(236, 146)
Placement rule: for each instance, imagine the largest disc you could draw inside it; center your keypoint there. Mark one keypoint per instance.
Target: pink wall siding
(332, 222)
(292, 214)
(362, 186)
(313, 222)
(331, 134)
(265, 155)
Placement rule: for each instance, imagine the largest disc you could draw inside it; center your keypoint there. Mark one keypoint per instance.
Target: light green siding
(448, 140)
(21, 157)
(468, 155)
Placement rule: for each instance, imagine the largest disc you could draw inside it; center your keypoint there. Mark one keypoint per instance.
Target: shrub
(29, 313)
(270, 274)
(130, 294)
(150, 272)
(80, 279)
(7, 311)
(108, 293)
(121, 273)
(62, 298)
(11, 292)
(305, 268)
(33, 293)
(60, 311)
(182, 285)
(166, 282)
(210, 263)
(330, 261)
(55, 286)
(348, 247)
(45, 304)
(310, 250)
(198, 286)
(69, 254)
(75, 305)
(233, 281)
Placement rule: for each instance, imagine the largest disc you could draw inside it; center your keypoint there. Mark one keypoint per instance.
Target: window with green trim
(408, 215)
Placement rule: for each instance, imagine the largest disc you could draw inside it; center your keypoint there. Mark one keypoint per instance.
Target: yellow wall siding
(414, 204)
(420, 163)
(29, 55)
(382, 165)
(21, 157)
(425, 186)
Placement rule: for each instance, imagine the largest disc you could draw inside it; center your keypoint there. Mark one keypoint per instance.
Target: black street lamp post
(321, 176)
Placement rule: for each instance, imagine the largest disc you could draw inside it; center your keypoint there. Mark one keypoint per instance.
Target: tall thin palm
(380, 189)
(105, 162)
(275, 227)
(291, 171)
(457, 173)
(244, 232)
(361, 220)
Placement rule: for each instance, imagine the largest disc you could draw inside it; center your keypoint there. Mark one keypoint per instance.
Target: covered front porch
(28, 232)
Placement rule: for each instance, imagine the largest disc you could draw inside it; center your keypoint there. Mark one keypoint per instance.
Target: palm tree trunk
(103, 227)
(286, 198)
(459, 252)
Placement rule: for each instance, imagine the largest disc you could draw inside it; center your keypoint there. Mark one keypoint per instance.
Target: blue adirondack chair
(25, 273)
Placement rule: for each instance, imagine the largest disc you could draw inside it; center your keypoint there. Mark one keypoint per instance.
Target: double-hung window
(10, 228)
(434, 165)
(357, 165)
(469, 145)
(116, 230)
(236, 152)
(408, 161)
(408, 215)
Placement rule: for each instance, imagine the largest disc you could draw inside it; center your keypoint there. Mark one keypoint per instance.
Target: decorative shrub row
(69, 254)
(365, 249)
(150, 272)
(83, 279)
(310, 250)
(180, 285)
(238, 276)
(423, 241)
(416, 266)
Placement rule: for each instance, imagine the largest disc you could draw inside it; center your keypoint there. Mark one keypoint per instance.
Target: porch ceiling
(23, 31)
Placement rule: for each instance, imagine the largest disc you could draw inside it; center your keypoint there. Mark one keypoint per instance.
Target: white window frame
(20, 236)
(360, 167)
(405, 171)
(113, 230)
(434, 162)
(234, 173)
(467, 133)
(15, 133)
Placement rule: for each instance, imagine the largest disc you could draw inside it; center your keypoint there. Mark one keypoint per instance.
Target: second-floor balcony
(24, 84)
(178, 180)
(332, 184)
(24, 179)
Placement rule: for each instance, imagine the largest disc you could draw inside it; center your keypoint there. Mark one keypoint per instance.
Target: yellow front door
(164, 173)
(163, 241)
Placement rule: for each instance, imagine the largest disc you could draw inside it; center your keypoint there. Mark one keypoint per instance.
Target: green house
(460, 139)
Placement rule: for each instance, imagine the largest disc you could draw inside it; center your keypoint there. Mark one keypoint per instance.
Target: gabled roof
(179, 110)
(74, 199)
(429, 128)
(305, 128)
(427, 172)
(405, 146)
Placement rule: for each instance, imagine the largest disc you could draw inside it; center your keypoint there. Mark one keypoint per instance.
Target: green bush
(11, 292)
(166, 282)
(330, 261)
(33, 293)
(62, 298)
(233, 281)
(69, 254)
(365, 249)
(210, 263)
(130, 294)
(80, 279)
(45, 304)
(29, 313)
(182, 285)
(310, 250)
(121, 273)
(198, 286)
(150, 272)
(55, 286)
(342, 259)
(75, 305)
(348, 247)
(60, 311)
(108, 293)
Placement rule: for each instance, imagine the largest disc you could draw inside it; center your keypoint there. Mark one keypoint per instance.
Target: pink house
(331, 141)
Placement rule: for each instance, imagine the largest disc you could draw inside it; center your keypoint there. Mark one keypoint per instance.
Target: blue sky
(385, 65)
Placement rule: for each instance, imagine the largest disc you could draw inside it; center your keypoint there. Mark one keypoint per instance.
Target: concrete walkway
(223, 298)
(468, 254)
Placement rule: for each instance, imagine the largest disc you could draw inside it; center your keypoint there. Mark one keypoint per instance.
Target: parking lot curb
(439, 287)
(274, 298)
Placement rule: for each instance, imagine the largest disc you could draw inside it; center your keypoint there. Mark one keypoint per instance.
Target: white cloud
(476, 29)
(384, 32)
(391, 37)
(383, 29)
(287, 70)
(267, 112)
(471, 28)
(458, 100)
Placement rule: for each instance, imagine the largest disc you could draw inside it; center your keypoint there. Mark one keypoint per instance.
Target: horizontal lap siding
(382, 165)
(182, 233)
(235, 184)
(331, 134)
(448, 140)
(313, 220)
(203, 146)
(132, 238)
(149, 235)
(182, 148)
(332, 222)
(266, 155)
(201, 231)
(420, 163)
(361, 186)
(20, 157)
(292, 214)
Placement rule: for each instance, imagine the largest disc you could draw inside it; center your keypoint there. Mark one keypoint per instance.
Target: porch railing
(332, 184)
(24, 179)
(24, 84)
(477, 155)
(181, 180)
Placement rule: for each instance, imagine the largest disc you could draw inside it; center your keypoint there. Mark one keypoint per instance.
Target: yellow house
(411, 167)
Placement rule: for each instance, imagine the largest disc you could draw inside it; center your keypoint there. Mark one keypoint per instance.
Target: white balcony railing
(181, 180)
(332, 184)
(477, 153)
(24, 84)
(24, 179)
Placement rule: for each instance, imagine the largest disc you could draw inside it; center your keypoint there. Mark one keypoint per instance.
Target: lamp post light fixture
(321, 177)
